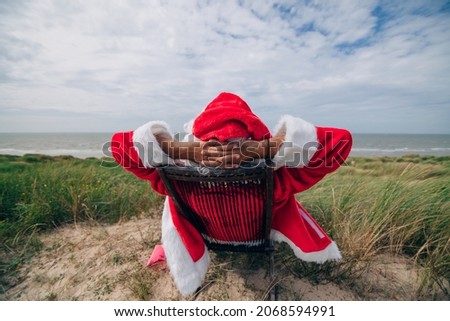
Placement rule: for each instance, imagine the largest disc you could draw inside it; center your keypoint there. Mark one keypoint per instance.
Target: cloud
(359, 65)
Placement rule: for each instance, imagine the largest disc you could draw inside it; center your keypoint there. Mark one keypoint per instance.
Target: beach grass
(370, 206)
(39, 193)
(43, 192)
(373, 206)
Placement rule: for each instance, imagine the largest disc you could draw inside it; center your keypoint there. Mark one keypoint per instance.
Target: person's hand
(249, 150)
(211, 153)
(222, 155)
(215, 154)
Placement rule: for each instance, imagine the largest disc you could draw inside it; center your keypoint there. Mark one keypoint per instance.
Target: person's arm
(125, 153)
(211, 153)
(309, 152)
(139, 152)
(216, 154)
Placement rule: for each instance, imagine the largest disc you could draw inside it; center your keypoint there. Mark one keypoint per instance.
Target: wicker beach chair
(231, 208)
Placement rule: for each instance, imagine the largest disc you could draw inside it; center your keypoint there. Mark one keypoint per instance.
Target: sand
(97, 262)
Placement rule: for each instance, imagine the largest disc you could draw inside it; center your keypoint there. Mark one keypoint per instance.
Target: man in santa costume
(301, 152)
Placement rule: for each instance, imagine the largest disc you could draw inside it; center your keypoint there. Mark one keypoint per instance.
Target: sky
(107, 66)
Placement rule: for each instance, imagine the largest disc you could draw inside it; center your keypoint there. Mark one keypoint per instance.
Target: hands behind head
(222, 155)
(229, 155)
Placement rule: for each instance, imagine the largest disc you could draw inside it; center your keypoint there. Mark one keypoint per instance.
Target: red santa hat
(227, 117)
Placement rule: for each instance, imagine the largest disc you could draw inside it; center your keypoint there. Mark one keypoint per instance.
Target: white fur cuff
(330, 253)
(300, 142)
(147, 146)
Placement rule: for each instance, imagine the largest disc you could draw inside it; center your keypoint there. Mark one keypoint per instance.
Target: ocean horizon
(84, 145)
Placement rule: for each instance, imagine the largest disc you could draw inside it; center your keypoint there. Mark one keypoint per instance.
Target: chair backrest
(231, 208)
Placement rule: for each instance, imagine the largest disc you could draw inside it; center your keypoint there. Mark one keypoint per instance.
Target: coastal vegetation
(370, 207)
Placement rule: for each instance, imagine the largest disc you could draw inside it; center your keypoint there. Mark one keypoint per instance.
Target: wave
(79, 153)
(84, 145)
(435, 151)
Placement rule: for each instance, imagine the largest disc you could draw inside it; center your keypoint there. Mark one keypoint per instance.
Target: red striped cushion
(231, 212)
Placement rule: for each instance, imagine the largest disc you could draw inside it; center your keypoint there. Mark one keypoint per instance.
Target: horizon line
(112, 132)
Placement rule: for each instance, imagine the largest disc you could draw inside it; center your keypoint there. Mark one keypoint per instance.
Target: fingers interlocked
(222, 155)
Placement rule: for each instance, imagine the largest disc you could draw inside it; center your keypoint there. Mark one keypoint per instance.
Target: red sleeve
(125, 154)
(334, 146)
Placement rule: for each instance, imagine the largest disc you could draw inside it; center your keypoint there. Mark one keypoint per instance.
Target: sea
(85, 145)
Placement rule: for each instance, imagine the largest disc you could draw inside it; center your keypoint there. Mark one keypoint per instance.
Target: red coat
(187, 257)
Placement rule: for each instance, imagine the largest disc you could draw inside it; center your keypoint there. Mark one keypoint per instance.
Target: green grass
(370, 206)
(389, 205)
(39, 193)
(44, 192)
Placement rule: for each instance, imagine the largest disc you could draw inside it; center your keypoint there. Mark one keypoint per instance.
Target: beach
(84, 145)
(83, 229)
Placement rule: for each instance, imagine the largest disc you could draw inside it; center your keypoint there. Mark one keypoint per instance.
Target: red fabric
(157, 256)
(228, 117)
(211, 201)
(301, 229)
(334, 146)
(190, 237)
(124, 153)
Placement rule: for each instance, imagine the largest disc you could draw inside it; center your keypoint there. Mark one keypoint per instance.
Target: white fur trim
(331, 252)
(147, 146)
(300, 142)
(187, 274)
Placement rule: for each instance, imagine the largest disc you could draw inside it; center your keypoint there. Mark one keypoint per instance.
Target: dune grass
(369, 206)
(44, 192)
(39, 193)
(398, 206)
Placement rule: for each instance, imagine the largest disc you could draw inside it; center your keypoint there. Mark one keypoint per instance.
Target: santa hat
(227, 117)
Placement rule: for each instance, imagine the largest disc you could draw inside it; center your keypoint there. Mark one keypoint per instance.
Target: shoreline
(86, 145)
(356, 153)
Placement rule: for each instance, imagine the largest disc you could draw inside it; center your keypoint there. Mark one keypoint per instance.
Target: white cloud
(337, 63)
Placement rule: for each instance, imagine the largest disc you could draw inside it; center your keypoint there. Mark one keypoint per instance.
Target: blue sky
(105, 66)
